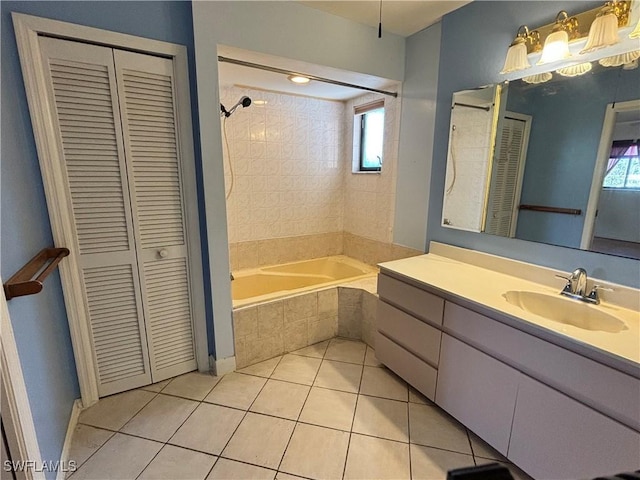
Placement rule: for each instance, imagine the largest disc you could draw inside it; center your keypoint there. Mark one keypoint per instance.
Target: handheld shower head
(244, 101)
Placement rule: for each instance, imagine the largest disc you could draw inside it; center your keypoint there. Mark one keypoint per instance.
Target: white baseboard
(66, 448)
(222, 366)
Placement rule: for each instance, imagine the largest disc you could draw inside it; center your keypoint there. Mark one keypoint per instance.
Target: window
(623, 169)
(368, 135)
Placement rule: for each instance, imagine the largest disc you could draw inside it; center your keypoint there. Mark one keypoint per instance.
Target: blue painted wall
(563, 145)
(40, 321)
(474, 42)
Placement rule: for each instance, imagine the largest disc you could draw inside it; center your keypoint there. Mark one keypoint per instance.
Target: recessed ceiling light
(298, 79)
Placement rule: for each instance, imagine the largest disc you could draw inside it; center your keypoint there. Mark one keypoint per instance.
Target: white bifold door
(115, 115)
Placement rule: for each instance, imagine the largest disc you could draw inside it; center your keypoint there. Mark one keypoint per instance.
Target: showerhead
(244, 101)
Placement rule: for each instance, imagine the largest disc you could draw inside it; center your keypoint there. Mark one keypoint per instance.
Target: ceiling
(398, 16)
(401, 17)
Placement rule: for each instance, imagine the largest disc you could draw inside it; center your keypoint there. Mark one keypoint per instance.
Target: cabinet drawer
(608, 390)
(419, 303)
(406, 365)
(418, 337)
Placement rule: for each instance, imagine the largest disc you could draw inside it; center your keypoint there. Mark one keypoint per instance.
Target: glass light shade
(636, 31)
(516, 58)
(631, 65)
(538, 78)
(575, 70)
(621, 59)
(603, 33)
(556, 47)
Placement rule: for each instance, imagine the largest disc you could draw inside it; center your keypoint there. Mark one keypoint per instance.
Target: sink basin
(565, 311)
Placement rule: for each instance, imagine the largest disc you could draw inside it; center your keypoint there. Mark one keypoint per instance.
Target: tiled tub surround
(370, 198)
(329, 411)
(267, 325)
(286, 157)
(294, 194)
(273, 328)
(292, 159)
(274, 251)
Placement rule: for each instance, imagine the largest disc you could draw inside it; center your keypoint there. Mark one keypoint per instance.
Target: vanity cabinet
(551, 411)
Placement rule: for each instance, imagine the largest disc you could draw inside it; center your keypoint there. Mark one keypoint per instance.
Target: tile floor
(328, 411)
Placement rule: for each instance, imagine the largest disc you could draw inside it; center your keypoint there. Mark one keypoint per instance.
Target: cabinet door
(477, 390)
(556, 437)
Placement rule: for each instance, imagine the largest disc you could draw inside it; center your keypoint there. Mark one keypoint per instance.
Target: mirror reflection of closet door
(506, 175)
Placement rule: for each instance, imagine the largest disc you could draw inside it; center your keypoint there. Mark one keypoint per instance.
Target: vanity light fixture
(597, 28)
(556, 46)
(299, 79)
(518, 50)
(575, 70)
(604, 29)
(538, 78)
(621, 59)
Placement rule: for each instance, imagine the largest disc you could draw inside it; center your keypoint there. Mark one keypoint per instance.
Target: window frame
(359, 138)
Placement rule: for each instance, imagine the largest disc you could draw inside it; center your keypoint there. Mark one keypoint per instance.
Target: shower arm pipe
(310, 77)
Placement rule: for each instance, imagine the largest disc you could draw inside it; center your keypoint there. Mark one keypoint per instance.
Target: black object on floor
(490, 471)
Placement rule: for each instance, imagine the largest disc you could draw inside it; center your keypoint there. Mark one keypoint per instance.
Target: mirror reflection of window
(623, 168)
(617, 214)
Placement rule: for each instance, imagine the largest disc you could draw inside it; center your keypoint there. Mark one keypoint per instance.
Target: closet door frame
(27, 29)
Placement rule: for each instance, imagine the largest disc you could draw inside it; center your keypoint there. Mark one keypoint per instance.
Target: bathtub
(269, 283)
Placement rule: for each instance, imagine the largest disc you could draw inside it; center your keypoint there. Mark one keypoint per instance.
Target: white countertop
(457, 280)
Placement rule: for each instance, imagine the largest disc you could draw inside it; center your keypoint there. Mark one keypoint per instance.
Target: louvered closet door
(146, 91)
(504, 183)
(83, 93)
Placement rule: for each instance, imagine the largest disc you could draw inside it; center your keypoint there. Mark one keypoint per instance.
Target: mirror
(538, 162)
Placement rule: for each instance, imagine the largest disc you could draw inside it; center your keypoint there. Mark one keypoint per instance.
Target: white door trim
(604, 149)
(19, 426)
(27, 29)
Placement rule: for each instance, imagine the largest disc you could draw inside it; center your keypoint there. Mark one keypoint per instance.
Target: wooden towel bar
(23, 283)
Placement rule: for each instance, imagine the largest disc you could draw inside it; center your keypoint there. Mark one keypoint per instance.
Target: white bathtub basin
(566, 311)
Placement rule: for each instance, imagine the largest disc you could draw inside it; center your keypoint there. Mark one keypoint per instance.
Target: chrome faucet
(576, 283)
(576, 287)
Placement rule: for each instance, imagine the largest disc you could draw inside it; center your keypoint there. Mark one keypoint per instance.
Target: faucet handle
(604, 289)
(567, 287)
(593, 295)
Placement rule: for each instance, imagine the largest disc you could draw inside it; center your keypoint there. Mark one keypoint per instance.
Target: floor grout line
(297, 421)
(304, 403)
(353, 420)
